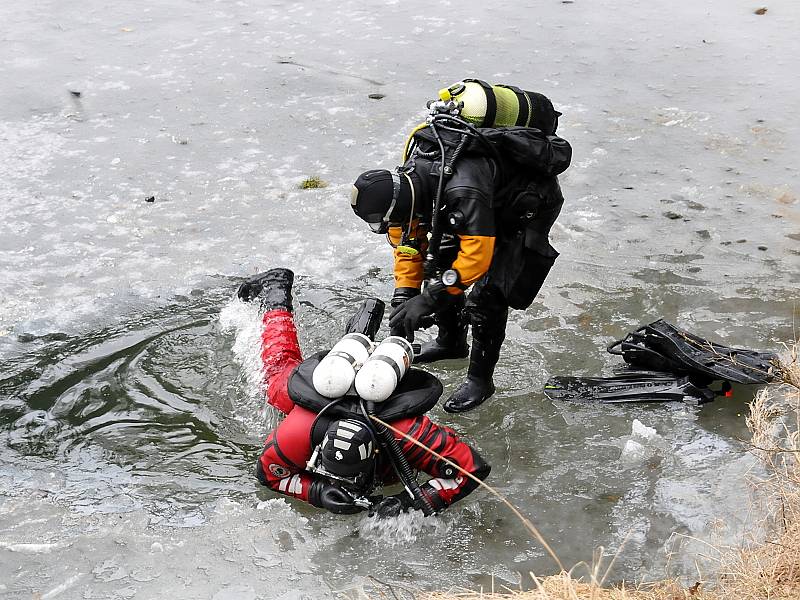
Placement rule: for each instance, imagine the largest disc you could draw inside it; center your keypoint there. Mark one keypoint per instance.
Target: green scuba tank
(485, 105)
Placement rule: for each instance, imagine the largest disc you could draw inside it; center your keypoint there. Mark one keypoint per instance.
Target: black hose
(319, 414)
(457, 152)
(436, 230)
(399, 461)
(475, 133)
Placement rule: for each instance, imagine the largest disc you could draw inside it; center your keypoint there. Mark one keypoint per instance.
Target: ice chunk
(633, 450)
(643, 432)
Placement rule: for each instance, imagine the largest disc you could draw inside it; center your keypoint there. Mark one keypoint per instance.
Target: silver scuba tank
(379, 376)
(334, 374)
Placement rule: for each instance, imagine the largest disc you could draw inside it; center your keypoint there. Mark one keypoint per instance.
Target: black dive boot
(476, 389)
(451, 341)
(273, 288)
(479, 387)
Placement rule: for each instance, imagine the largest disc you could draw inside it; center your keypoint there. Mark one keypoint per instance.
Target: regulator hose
(399, 461)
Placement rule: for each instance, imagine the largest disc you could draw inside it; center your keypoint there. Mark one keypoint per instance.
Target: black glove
(332, 497)
(402, 294)
(391, 506)
(400, 297)
(408, 316)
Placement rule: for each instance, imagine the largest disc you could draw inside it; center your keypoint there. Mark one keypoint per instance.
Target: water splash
(242, 319)
(402, 530)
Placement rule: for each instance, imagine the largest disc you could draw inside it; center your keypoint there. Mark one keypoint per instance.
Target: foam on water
(242, 320)
(402, 530)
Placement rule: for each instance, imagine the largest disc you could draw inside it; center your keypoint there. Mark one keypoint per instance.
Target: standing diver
(472, 205)
(328, 452)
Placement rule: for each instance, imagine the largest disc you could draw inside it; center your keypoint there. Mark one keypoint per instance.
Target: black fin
(663, 346)
(631, 386)
(367, 319)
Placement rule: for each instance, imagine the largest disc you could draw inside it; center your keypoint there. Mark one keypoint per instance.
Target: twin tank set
(356, 363)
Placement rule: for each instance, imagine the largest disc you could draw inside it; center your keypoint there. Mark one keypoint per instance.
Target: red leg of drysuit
(280, 354)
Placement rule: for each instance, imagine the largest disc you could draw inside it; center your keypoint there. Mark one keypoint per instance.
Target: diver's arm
(448, 485)
(408, 267)
(472, 261)
(473, 222)
(281, 466)
(275, 471)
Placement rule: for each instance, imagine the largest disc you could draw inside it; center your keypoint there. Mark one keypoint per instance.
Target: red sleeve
(286, 452)
(447, 485)
(280, 354)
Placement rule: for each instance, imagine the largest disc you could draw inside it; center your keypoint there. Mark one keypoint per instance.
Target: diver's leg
(488, 313)
(280, 350)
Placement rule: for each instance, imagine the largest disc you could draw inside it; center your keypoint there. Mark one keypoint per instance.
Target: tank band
(360, 339)
(391, 362)
(345, 355)
(524, 116)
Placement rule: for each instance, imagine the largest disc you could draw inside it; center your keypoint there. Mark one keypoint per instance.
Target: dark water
(154, 425)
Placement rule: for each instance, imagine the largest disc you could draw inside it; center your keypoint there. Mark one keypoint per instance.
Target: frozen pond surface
(129, 423)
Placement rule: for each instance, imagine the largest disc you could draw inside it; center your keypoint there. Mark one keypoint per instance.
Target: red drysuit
(288, 446)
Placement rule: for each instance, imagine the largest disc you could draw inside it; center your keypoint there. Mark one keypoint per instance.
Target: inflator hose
(436, 230)
(399, 461)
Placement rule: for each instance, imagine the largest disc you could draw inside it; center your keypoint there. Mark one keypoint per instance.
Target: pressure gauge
(450, 277)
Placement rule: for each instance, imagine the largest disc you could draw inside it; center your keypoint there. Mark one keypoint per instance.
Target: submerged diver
(472, 205)
(328, 452)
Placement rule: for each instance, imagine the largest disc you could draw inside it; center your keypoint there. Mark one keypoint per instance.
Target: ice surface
(130, 406)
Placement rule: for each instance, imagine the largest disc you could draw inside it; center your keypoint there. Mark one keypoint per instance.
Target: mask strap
(413, 206)
(395, 196)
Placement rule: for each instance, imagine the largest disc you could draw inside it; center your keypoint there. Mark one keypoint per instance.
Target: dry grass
(564, 587)
(771, 568)
(768, 568)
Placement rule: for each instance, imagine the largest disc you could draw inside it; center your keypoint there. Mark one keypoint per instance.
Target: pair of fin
(667, 363)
